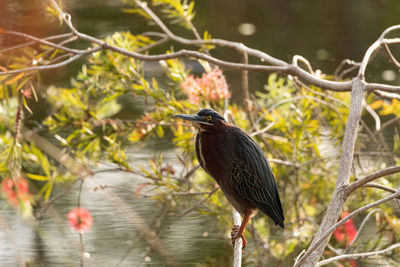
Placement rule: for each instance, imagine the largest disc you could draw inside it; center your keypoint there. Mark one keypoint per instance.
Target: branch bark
(237, 255)
(320, 240)
(311, 257)
(311, 254)
(359, 255)
(353, 186)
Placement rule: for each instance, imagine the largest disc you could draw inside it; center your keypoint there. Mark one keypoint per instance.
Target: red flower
(338, 234)
(16, 190)
(349, 229)
(345, 232)
(80, 219)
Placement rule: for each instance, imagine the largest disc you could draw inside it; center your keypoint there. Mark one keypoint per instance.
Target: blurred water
(117, 214)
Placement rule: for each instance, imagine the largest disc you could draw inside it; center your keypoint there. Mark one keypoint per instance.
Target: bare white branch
(338, 198)
(340, 71)
(388, 171)
(390, 55)
(297, 58)
(379, 186)
(54, 37)
(387, 95)
(279, 66)
(374, 115)
(43, 41)
(359, 230)
(359, 255)
(237, 255)
(329, 231)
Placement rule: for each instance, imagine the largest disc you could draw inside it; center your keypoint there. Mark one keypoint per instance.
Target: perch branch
(237, 255)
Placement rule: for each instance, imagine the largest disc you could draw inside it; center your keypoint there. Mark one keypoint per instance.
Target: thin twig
(389, 122)
(374, 115)
(387, 94)
(391, 57)
(339, 73)
(82, 246)
(140, 224)
(388, 171)
(360, 228)
(56, 65)
(162, 230)
(278, 65)
(341, 222)
(297, 58)
(198, 204)
(152, 45)
(54, 37)
(54, 199)
(245, 90)
(135, 242)
(379, 186)
(359, 255)
(43, 41)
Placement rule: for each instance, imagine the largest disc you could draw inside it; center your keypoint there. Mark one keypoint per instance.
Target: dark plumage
(238, 165)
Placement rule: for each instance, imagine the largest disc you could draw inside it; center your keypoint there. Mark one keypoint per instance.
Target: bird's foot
(235, 234)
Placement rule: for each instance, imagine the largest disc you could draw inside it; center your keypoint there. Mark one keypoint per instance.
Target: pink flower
(80, 219)
(16, 190)
(211, 86)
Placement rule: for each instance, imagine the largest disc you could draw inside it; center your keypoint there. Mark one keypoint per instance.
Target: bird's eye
(209, 118)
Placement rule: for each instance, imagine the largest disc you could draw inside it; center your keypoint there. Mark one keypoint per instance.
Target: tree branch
(359, 255)
(54, 37)
(338, 199)
(328, 232)
(391, 57)
(43, 41)
(237, 254)
(361, 227)
(278, 65)
(379, 186)
(388, 171)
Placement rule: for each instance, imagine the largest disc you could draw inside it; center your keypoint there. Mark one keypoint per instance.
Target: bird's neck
(214, 129)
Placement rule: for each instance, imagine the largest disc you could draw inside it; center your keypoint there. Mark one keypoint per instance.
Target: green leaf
(37, 177)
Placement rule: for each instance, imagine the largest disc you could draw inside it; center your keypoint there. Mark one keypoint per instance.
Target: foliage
(89, 121)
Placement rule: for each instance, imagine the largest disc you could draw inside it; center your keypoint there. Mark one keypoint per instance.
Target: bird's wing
(251, 177)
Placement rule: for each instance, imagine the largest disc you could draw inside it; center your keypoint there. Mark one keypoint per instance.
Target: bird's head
(206, 120)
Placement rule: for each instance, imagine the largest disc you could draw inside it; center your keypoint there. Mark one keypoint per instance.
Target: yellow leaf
(37, 177)
(376, 104)
(15, 78)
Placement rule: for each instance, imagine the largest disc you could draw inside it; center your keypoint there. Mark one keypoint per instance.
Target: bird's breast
(214, 153)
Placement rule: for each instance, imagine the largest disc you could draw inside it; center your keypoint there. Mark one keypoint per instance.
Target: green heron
(238, 165)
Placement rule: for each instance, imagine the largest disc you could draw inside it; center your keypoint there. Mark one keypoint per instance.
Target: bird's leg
(238, 231)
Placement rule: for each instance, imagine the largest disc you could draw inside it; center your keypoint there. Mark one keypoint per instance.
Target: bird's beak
(192, 118)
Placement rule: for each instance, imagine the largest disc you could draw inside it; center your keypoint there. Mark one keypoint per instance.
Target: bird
(238, 165)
